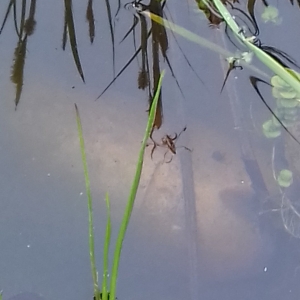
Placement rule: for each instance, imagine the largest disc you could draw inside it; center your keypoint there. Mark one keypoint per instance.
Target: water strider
(169, 142)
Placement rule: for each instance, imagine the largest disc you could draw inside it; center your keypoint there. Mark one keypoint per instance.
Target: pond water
(207, 222)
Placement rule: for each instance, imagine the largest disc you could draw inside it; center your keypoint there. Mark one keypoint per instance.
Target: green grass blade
(266, 59)
(90, 207)
(186, 33)
(273, 65)
(199, 40)
(106, 249)
(227, 17)
(133, 191)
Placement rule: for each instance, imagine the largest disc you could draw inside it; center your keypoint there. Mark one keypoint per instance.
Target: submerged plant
(271, 14)
(287, 107)
(268, 60)
(104, 294)
(244, 60)
(271, 128)
(285, 178)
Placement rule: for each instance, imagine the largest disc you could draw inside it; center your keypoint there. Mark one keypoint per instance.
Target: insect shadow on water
(168, 142)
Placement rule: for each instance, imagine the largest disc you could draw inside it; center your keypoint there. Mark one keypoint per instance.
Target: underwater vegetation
(285, 84)
(150, 31)
(104, 294)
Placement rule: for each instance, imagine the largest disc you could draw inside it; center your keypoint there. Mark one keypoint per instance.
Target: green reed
(284, 73)
(127, 213)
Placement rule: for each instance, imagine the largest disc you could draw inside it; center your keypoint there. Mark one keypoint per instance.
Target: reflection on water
(238, 252)
(26, 296)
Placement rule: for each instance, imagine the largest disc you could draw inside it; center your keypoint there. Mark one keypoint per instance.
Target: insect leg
(167, 162)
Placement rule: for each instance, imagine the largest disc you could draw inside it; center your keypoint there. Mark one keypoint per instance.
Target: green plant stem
(265, 58)
(132, 195)
(200, 40)
(106, 249)
(90, 207)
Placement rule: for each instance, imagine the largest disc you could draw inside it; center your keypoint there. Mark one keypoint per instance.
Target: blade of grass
(265, 58)
(106, 249)
(90, 207)
(133, 191)
(199, 40)
(276, 67)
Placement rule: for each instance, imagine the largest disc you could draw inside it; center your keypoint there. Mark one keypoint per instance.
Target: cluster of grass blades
(109, 291)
